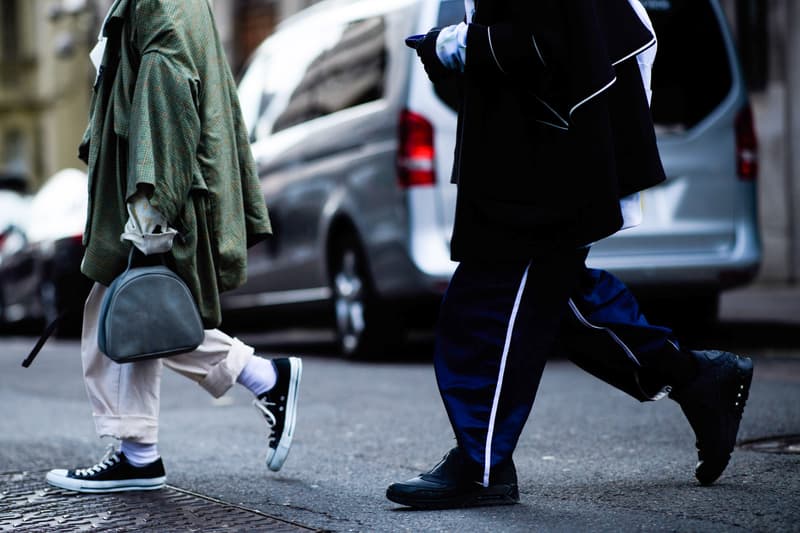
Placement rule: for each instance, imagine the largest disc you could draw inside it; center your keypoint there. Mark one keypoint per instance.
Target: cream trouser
(125, 398)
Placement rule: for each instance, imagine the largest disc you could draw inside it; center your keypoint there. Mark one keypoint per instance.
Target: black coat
(553, 129)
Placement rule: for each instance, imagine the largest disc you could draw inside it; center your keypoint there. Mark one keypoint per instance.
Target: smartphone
(413, 40)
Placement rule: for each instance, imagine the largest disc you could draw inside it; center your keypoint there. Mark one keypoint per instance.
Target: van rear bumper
(722, 269)
(708, 270)
(712, 271)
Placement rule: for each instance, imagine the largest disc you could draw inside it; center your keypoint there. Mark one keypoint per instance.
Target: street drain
(28, 503)
(777, 444)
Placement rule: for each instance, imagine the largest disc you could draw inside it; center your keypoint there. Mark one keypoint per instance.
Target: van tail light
(415, 156)
(746, 145)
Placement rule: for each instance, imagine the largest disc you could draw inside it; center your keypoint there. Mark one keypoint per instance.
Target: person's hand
(426, 50)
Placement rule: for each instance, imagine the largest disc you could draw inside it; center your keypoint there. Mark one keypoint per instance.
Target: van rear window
(692, 73)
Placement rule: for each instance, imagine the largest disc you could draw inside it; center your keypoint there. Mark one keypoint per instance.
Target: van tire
(365, 327)
(2, 310)
(690, 313)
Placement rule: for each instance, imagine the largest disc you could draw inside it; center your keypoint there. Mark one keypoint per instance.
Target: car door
(320, 132)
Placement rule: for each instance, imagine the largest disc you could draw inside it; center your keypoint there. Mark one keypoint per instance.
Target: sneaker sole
(708, 471)
(78, 485)
(276, 459)
(495, 495)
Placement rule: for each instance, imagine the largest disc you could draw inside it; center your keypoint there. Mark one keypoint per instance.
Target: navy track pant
(500, 322)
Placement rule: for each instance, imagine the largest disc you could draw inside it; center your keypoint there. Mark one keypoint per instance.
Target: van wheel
(2, 311)
(691, 313)
(697, 315)
(363, 326)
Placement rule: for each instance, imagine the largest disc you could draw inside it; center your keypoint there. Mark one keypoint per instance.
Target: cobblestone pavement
(27, 503)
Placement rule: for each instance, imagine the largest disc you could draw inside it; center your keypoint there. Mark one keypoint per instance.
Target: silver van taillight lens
(415, 155)
(746, 145)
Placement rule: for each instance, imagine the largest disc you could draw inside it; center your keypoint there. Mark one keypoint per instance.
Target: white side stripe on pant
(496, 401)
(613, 335)
(655, 397)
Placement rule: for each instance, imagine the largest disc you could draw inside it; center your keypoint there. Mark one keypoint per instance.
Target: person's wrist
(449, 46)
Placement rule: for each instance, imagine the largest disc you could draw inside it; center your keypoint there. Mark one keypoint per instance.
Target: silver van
(354, 149)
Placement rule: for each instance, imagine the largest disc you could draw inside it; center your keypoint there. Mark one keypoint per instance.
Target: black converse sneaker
(279, 408)
(112, 474)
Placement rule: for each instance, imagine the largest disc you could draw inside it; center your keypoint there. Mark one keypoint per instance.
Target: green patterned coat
(165, 112)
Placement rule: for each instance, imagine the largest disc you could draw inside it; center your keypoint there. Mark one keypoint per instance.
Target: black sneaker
(454, 483)
(713, 403)
(279, 408)
(112, 474)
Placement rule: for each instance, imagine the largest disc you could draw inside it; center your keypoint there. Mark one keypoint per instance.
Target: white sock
(139, 454)
(258, 375)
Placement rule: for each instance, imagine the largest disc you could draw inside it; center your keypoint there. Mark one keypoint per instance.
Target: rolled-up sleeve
(164, 133)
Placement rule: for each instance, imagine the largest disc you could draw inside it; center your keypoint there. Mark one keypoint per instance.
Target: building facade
(43, 86)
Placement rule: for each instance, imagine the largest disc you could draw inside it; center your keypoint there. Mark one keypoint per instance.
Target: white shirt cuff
(451, 46)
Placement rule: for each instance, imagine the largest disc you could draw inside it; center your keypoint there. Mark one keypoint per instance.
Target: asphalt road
(590, 459)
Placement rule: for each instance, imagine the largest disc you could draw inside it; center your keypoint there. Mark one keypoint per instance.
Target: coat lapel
(111, 30)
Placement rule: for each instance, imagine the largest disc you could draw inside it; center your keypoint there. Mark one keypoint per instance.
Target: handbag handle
(134, 249)
(42, 339)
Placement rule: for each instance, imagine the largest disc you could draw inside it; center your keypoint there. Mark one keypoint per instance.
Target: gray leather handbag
(148, 312)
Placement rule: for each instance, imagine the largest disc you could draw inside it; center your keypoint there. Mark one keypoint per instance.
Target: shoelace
(110, 458)
(263, 406)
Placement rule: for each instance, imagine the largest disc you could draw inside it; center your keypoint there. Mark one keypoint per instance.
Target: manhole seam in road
(28, 503)
(789, 444)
